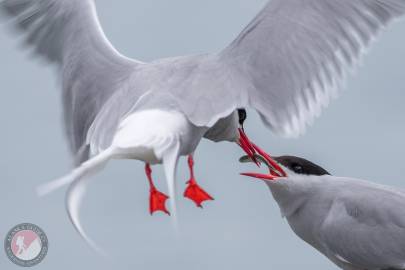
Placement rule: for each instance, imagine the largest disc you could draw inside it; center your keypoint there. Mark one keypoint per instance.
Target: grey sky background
(360, 135)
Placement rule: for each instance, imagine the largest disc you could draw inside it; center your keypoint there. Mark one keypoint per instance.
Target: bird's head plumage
(284, 167)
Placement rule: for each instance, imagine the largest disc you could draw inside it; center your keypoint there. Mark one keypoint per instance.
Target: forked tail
(78, 180)
(84, 170)
(170, 159)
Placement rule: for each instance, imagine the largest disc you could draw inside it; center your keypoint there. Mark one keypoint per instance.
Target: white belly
(146, 135)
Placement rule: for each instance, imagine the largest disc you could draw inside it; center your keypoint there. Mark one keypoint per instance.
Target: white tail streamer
(78, 180)
(170, 159)
(85, 169)
(74, 198)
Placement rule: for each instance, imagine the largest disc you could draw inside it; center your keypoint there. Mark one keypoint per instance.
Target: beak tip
(259, 176)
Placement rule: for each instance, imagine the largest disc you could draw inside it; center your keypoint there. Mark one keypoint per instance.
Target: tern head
(290, 179)
(302, 166)
(284, 166)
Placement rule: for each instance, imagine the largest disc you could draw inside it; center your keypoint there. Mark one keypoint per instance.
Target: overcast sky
(360, 135)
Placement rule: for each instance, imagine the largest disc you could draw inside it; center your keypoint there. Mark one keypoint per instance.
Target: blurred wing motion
(294, 54)
(67, 33)
(287, 64)
(366, 227)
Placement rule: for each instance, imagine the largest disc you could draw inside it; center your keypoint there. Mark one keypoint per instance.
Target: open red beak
(247, 146)
(275, 171)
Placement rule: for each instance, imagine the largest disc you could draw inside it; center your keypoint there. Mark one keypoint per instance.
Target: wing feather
(366, 227)
(296, 53)
(68, 34)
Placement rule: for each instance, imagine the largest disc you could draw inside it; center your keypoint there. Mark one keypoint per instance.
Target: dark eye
(297, 168)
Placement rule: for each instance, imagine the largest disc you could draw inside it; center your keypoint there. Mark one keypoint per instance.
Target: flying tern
(286, 64)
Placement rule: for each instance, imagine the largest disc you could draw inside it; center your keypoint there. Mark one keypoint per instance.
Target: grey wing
(68, 34)
(365, 227)
(293, 57)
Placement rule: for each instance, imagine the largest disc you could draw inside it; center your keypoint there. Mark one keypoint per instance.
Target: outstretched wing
(68, 34)
(294, 55)
(366, 227)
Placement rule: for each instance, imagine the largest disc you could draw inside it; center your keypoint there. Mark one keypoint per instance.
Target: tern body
(355, 223)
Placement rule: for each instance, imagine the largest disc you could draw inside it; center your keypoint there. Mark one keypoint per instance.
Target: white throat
(291, 192)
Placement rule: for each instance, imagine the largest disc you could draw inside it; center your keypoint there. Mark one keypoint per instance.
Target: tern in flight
(286, 64)
(355, 223)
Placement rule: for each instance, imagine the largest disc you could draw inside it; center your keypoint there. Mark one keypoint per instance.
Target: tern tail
(77, 189)
(85, 169)
(170, 159)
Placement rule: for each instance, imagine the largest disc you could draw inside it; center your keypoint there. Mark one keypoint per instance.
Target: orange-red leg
(193, 191)
(157, 199)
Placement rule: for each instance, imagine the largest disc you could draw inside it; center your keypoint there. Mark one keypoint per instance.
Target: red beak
(247, 146)
(268, 177)
(275, 170)
(278, 171)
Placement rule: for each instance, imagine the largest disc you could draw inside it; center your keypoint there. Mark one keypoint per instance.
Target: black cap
(301, 165)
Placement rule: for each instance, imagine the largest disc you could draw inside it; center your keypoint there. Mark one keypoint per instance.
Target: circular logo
(26, 244)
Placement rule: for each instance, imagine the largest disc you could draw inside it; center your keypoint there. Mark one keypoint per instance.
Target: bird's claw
(157, 201)
(195, 193)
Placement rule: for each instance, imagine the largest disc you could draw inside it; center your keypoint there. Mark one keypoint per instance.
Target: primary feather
(68, 34)
(294, 55)
(287, 63)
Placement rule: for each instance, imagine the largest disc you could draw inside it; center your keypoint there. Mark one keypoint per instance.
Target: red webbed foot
(195, 193)
(157, 201)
